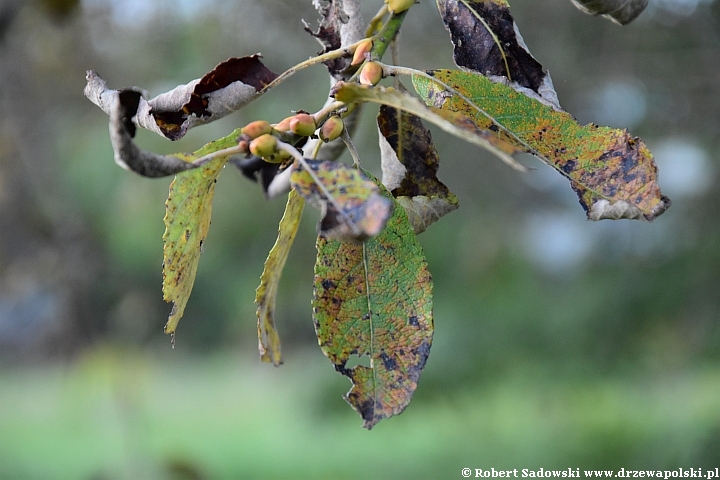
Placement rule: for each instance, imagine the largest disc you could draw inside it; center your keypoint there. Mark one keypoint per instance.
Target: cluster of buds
(257, 138)
(260, 138)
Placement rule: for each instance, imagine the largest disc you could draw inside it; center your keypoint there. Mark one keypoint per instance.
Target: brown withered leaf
(228, 87)
(409, 164)
(128, 155)
(619, 11)
(340, 25)
(486, 40)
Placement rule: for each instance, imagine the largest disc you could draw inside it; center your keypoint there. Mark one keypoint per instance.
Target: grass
(119, 414)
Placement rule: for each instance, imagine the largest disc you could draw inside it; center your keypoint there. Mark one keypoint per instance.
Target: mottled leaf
(228, 87)
(613, 173)
(452, 122)
(352, 208)
(374, 299)
(486, 40)
(268, 339)
(619, 11)
(409, 164)
(187, 220)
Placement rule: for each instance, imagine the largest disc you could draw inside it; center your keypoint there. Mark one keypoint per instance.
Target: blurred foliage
(559, 342)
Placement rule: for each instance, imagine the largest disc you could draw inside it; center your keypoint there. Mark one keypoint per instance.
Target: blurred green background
(560, 343)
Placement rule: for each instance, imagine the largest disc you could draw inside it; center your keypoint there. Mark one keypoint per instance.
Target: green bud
(256, 128)
(360, 51)
(264, 145)
(303, 124)
(371, 74)
(398, 6)
(283, 125)
(331, 129)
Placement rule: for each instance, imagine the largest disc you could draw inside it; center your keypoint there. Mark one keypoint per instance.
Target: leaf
(619, 11)
(268, 339)
(341, 24)
(375, 300)
(228, 87)
(613, 173)
(486, 40)
(187, 220)
(452, 122)
(352, 209)
(409, 164)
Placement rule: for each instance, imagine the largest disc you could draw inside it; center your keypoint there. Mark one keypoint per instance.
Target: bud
(256, 128)
(303, 124)
(359, 56)
(263, 146)
(284, 125)
(331, 129)
(398, 6)
(279, 156)
(371, 74)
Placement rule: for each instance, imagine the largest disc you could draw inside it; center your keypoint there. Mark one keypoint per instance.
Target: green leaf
(410, 163)
(350, 203)
(613, 174)
(268, 339)
(452, 122)
(374, 299)
(187, 220)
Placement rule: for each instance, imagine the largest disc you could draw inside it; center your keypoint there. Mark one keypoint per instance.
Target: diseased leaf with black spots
(268, 339)
(352, 209)
(452, 122)
(228, 87)
(374, 299)
(487, 41)
(410, 163)
(187, 219)
(613, 173)
(619, 11)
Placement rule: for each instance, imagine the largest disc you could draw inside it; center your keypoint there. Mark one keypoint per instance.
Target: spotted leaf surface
(187, 220)
(374, 299)
(452, 122)
(268, 338)
(613, 173)
(350, 203)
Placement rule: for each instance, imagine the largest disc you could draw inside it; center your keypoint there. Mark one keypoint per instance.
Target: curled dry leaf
(127, 154)
(227, 88)
(409, 164)
(619, 11)
(352, 209)
(268, 339)
(486, 40)
(341, 24)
